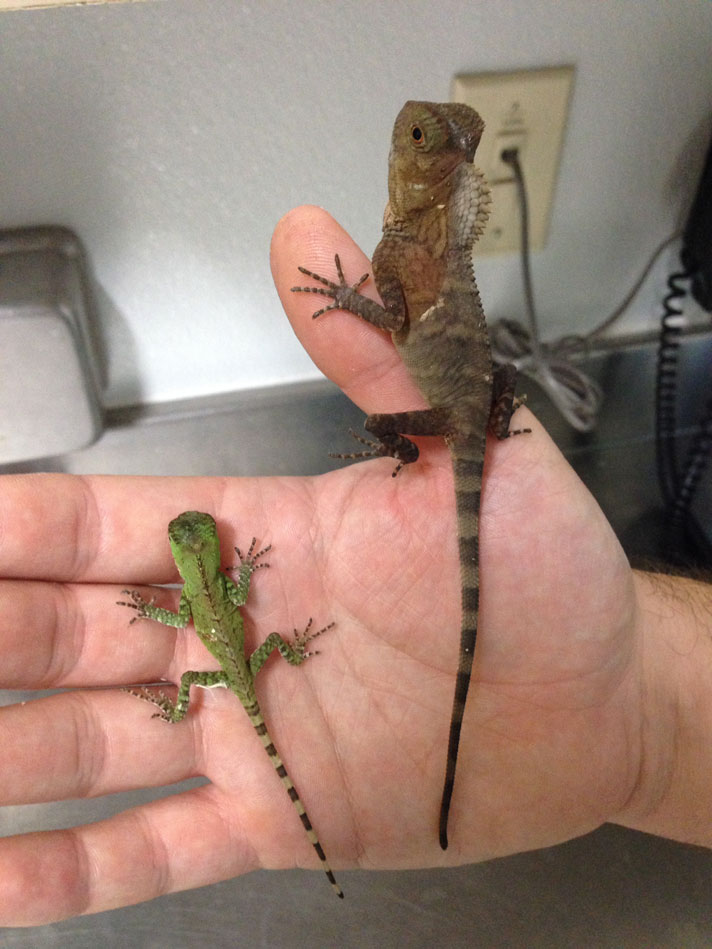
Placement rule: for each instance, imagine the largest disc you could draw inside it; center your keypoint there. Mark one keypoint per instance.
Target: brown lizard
(438, 206)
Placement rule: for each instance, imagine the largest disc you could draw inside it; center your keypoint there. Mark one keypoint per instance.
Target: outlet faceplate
(525, 110)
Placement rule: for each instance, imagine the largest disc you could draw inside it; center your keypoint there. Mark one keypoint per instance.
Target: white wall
(173, 135)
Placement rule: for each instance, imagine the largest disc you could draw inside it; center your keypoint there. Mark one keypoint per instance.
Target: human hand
(549, 742)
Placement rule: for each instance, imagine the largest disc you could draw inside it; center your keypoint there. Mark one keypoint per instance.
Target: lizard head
(193, 532)
(430, 140)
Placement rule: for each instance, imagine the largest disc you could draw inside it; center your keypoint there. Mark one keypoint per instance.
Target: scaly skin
(213, 601)
(438, 206)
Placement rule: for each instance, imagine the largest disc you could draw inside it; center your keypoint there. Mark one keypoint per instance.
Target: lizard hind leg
(172, 712)
(389, 446)
(302, 638)
(158, 698)
(293, 652)
(392, 428)
(505, 403)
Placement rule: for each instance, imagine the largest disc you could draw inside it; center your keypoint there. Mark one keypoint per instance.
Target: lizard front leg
(295, 652)
(347, 297)
(239, 589)
(146, 609)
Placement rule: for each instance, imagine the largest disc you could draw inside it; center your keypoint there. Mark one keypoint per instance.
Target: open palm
(548, 748)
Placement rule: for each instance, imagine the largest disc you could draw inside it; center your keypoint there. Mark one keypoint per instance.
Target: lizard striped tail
(258, 723)
(468, 463)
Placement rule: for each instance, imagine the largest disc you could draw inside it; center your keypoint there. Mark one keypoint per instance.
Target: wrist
(672, 796)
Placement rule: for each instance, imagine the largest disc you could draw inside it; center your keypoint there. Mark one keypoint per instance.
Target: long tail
(467, 467)
(261, 729)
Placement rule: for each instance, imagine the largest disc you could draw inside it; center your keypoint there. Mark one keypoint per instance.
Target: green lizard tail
(259, 725)
(467, 467)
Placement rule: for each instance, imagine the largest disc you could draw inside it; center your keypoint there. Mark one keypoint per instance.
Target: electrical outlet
(526, 110)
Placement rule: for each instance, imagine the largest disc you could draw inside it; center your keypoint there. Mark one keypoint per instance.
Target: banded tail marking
(468, 489)
(258, 723)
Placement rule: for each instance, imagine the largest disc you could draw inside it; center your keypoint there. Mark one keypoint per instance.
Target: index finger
(95, 528)
(359, 358)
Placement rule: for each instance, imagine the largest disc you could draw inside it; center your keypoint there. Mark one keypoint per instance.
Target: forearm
(673, 794)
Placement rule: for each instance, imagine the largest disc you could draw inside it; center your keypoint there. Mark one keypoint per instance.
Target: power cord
(578, 397)
(574, 393)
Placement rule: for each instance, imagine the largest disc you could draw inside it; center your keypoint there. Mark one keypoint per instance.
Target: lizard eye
(417, 135)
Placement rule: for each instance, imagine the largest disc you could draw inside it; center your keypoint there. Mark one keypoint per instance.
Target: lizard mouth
(467, 141)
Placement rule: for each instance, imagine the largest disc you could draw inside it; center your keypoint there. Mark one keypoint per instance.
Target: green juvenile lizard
(213, 601)
(438, 206)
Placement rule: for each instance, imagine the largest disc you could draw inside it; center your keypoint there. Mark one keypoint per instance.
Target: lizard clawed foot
(340, 292)
(518, 402)
(137, 603)
(159, 699)
(302, 638)
(250, 558)
(376, 450)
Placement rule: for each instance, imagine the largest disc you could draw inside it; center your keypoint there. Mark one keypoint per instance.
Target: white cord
(574, 393)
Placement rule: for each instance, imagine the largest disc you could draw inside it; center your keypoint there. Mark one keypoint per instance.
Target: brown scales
(438, 206)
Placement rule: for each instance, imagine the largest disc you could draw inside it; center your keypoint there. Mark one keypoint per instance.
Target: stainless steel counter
(611, 888)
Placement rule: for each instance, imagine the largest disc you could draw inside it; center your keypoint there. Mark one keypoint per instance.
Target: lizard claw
(340, 292)
(302, 638)
(376, 450)
(159, 699)
(250, 558)
(137, 603)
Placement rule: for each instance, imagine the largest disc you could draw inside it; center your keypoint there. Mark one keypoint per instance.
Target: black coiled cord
(678, 487)
(666, 387)
(697, 459)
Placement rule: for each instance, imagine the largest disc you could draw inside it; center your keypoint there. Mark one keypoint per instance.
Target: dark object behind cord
(696, 253)
(678, 483)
